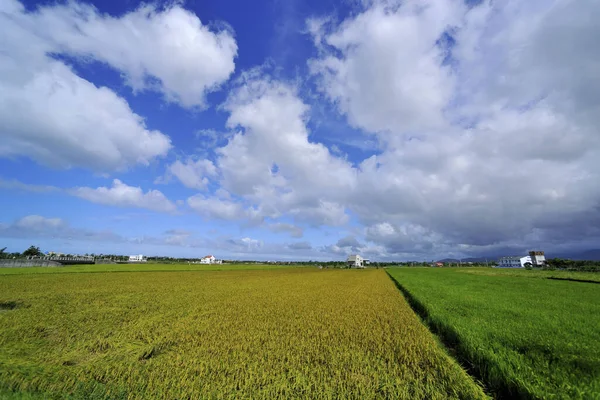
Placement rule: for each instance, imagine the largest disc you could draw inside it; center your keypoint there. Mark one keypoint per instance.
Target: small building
(210, 259)
(138, 258)
(534, 259)
(538, 259)
(513, 262)
(355, 261)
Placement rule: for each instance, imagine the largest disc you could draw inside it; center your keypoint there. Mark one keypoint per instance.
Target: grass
(287, 333)
(535, 273)
(525, 338)
(142, 267)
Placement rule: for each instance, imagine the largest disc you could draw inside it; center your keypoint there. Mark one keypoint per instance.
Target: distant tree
(32, 251)
(554, 264)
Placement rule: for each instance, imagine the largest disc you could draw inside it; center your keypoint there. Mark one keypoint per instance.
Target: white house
(207, 260)
(538, 259)
(535, 259)
(210, 260)
(138, 258)
(513, 262)
(356, 261)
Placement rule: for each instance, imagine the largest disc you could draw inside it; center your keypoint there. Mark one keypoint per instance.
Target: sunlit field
(525, 334)
(286, 333)
(141, 267)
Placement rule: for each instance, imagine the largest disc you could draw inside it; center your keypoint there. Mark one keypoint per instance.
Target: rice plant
(289, 333)
(527, 335)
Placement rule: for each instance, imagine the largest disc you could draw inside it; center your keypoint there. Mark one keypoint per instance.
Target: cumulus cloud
(193, 174)
(61, 120)
(178, 237)
(484, 115)
(348, 241)
(300, 246)
(123, 195)
(172, 241)
(281, 227)
(50, 114)
(37, 226)
(272, 163)
(478, 151)
(219, 207)
(55, 117)
(489, 135)
(38, 223)
(168, 50)
(214, 207)
(383, 69)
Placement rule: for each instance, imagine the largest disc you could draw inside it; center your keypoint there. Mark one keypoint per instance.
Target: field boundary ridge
(480, 367)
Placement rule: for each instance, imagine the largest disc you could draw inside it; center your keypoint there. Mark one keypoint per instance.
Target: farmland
(539, 274)
(523, 334)
(280, 333)
(142, 267)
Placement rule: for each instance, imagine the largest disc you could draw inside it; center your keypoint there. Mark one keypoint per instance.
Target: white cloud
(168, 50)
(222, 208)
(487, 137)
(38, 223)
(485, 120)
(467, 160)
(383, 68)
(14, 184)
(53, 116)
(37, 226)
(210, 139)
(122, 195)
(348, 241)
(272, 163)
(293, 230)
(300, 246)
(177, 237)
(193, 174)
(61, 120)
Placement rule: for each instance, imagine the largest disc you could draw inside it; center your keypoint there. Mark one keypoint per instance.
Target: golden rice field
(289, 333)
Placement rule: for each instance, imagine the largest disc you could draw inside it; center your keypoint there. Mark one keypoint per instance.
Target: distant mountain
(590, 255)
(447, 260)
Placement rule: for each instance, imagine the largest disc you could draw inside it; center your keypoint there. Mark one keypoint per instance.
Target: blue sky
(299, 130)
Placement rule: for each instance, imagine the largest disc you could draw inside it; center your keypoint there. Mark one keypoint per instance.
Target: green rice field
(191, 334)
(523, 334)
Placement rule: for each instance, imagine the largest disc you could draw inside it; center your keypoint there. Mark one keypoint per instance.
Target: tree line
(551, 264)
(31, 251)
(572, 265)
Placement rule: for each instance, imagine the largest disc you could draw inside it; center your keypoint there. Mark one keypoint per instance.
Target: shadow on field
(10, 305)
(573, 280)
(477, 365)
